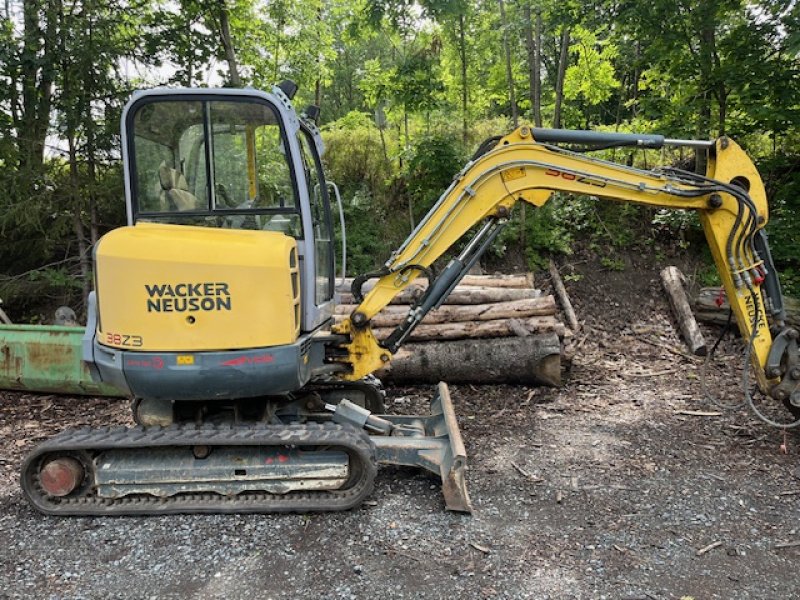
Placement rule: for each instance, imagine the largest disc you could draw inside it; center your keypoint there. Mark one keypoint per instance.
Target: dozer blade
(432, 443)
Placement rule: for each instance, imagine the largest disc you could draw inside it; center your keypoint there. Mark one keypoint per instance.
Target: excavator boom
(525, 166)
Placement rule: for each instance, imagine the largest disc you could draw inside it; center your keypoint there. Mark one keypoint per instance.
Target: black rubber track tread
(356, 442)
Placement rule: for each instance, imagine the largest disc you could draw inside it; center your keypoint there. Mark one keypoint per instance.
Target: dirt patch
(602, 489)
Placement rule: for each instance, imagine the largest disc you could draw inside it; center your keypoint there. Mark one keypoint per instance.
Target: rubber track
(86, 440)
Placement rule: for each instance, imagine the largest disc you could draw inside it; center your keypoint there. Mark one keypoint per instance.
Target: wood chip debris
(480, 548)
(698, 413)
(526, 474)
(708, 548)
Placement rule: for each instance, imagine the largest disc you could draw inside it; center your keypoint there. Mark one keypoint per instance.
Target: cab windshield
(213, 163)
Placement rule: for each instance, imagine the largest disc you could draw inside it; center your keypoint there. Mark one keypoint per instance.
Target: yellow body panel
(180, 288)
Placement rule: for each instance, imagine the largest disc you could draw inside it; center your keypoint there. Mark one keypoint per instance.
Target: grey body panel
(222, 375)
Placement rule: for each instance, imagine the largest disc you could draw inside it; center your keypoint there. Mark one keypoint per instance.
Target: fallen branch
(673, 281)
(708, 548)
(698, 413)
(563, 297)
(787, 545)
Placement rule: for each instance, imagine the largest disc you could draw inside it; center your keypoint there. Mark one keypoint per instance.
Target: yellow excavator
(213, 308)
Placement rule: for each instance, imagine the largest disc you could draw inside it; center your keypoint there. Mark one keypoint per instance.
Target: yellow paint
(365, 355)
(184, 359)
(731, 162)
(228, 289)
(250, 140)
(512, 174)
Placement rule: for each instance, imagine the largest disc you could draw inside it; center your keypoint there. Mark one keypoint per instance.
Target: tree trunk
(84, 260)
(636, 77)
(318, 82)
(392, 316)
(479, 329)
(672, 279)
(711, 305)
(524, 280)
(227, 44)
(462, 50)
(535, 359)
(509, 73)
(562, 70)
(465, 295)
(37, 70)
(537, 68)
(529, 46)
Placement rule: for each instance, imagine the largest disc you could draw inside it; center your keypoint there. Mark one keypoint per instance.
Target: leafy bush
(782, 178)
(435, 161)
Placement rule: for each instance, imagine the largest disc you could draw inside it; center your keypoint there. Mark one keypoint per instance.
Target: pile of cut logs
(490, 329)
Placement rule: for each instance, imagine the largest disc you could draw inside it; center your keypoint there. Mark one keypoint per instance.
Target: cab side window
(320, 217)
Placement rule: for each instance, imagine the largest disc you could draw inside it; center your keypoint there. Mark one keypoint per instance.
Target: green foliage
(592, 78)
(354, 156)
(547, 231)
(782, 177)
(680, 69)
(435, 161)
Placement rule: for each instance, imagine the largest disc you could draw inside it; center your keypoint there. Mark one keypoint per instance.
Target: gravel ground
(602, 489)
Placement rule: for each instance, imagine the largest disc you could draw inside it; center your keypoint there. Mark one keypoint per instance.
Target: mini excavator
(212, 308)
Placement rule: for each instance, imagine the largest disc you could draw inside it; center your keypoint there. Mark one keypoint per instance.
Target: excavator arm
(527, 166)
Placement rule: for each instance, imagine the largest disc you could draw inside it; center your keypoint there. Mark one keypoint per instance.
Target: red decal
(283, 458)
(248, 360)
(155, 363)
(720, 299)
(235, 362)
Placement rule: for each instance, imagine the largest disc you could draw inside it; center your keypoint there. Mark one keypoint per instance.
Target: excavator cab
(212, 310)
(227, 263)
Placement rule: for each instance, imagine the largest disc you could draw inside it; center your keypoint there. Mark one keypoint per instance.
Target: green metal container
(46, 358)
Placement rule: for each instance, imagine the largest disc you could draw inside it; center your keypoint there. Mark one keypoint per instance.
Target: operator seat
(175, 194)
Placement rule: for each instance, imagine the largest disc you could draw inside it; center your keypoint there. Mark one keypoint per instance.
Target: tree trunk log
(707, 309)
(524, 280)
(392, 316)
(534, 359)
(460, 295)
(479, 329)
(672, 280)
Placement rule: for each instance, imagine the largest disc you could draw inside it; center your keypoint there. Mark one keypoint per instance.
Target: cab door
(322, 223)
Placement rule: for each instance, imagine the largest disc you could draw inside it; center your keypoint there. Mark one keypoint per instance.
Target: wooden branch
(534, 359)
(563, 297)
(672, 279)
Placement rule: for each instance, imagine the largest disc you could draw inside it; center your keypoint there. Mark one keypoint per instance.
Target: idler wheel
(61, 476)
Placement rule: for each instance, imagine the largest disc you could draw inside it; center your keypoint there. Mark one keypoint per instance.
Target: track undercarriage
(310, 453)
